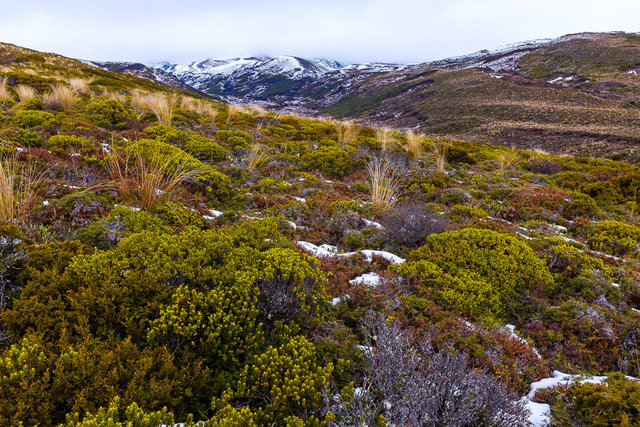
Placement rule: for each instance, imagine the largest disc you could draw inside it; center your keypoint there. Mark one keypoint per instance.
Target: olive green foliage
(28, 119)
(108, 113)
(486, 272)
(616, 401)
(193, 143)
(235, 139)
(112, 416)
(283, 381)
(28, 138)
(332, 161)
(615, 237)
(63, 143)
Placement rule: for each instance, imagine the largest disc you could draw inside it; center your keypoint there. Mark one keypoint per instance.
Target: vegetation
(250, 268)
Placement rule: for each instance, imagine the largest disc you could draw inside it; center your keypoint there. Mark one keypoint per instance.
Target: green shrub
(29, 119)
(28, 138)
(616, 401)
(496, 267)
(7, 103)
(614, 237)
(62, 143)
(113, 416)
(333, 162)
(108, 113)
(31, 104)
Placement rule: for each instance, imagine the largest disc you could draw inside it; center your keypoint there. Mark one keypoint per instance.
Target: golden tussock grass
(149, 182)
(255, 157)
(347, 132)
(384, 136)
(18, 187)
(79, 85)
(4, 91)
(25, 92)
(233, 110)
(162, 105)
(414, 145)
(60, 98)
(440, 154)
(383, 181)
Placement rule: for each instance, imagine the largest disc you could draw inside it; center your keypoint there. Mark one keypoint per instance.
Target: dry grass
(4, 92)
(258, 111)
(255, 157)
(60, 98)
(18, 187)
(440, 153)
(383, 181)
(384, 136)
(79, 85)
(116, 96)
(149, 182)
(504, 161)
(347, 132)
(162, 106)
(233, 110)
(199, 106)
(415, 145)
(25, 92)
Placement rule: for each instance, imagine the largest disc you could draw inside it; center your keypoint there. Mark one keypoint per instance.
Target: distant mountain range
(577, 93)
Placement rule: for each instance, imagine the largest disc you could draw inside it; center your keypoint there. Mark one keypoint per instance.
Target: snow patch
(331, 251)
(370, 223)
(369, 279)
(512, 333)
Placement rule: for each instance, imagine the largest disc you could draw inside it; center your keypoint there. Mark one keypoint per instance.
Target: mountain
(574, 94)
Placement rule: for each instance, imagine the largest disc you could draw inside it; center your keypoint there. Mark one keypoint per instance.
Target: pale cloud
(351, 31)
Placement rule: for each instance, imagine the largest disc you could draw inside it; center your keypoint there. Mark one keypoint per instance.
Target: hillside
(166, 258)
(576, 94)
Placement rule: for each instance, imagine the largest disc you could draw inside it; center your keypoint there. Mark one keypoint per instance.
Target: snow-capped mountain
(279, 80)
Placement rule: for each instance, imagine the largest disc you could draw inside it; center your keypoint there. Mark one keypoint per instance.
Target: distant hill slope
(574, 94)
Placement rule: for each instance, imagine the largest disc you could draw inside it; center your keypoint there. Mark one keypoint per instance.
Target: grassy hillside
(165, 258)
(590, 108)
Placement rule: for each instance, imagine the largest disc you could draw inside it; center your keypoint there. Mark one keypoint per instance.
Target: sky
(357, 31)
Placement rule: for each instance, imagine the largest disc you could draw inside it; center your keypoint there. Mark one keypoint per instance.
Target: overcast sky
(349, 31)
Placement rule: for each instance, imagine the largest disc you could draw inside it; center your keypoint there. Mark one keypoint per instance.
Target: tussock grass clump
(255, 157)
(150, 182)
(233, 110)
(79, 85)
(347, 132)
(60, 98)
(25, 92)
(4, 92)
(440, 154)
(18, 187)
(415, 145)
(383, 181)
(384, 136)
(199, 106)
(162, 106)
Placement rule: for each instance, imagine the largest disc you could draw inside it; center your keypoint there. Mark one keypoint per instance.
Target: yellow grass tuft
(18, 187)
(4, 92)
(149, 182)
(383, 181)
(440, 153)
(162, 106)
(415, 144)
(255, 157)
(233, 110)
(60, 98)
(384, 136)
(347, 132)
(25, 92)
(79, 85)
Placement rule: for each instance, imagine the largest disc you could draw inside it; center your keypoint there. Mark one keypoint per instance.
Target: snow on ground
(300, 199)
(540, 413)
(369, 279)
(332, 251)
(512, 332)
(370, 223)
(338, 300)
